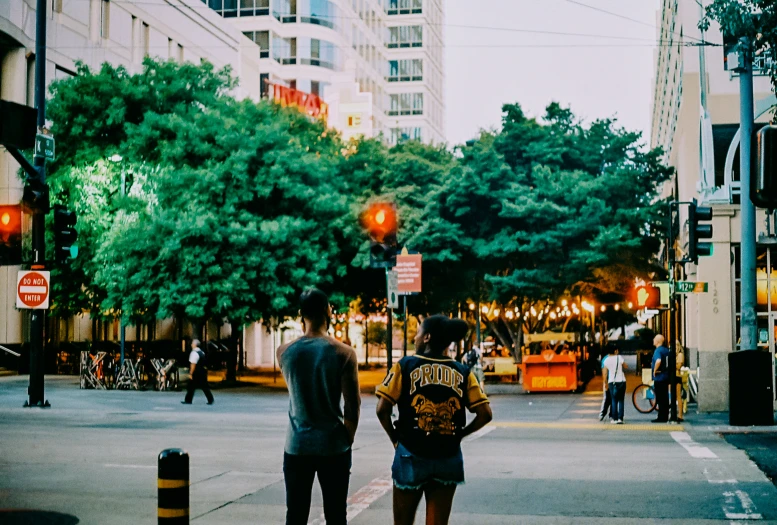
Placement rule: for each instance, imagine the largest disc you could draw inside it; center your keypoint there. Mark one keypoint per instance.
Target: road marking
(362, 499)
(590, 426)
(586, 411)
(480, 433)
(737, 505)
(736, 500)
(115, 465)
(693, 448)
(163, 408)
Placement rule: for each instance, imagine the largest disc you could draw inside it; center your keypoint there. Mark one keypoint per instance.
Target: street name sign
(44, 146)
(392, 286)
(408, 269)
(690, 287)
(32, 290)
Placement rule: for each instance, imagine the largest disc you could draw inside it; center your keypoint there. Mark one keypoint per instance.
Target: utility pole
(404, 340)
(748, 321)
(36, 390)
(389, 326)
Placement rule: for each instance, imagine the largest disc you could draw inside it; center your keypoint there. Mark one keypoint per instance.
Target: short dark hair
(313, 305)
(443, 331)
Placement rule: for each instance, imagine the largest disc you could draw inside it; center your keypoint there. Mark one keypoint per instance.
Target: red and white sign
(408, 269)
(32, 290)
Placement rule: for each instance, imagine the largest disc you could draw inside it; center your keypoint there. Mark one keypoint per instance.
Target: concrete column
(715, 320)
(13, 87)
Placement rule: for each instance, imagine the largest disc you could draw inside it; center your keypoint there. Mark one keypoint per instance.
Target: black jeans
(662, 399)
(606, 404)
(334, 473)
(201, 382)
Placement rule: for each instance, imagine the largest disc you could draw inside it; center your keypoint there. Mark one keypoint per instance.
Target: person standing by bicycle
(613, 372)
(660, 368)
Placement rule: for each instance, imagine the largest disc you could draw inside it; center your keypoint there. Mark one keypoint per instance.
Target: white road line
(694, 449)
(115, 465)
(737, 506)
(362, 499)
(736, 500)
(480, 433)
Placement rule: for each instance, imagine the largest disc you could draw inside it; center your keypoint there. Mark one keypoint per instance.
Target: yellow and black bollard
(173, 487)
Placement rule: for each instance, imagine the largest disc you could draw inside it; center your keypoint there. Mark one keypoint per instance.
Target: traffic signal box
(647, 296)
(65, 234)
(10, 235)
(380, 221)
(698, 230)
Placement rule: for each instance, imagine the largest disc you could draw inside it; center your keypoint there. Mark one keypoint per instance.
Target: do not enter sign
(32, 290)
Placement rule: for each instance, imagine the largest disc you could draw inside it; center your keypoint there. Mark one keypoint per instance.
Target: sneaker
(619, 422)
(185, 403)
(211, 403)
(658, 421)
(601, 417)
(613, 421)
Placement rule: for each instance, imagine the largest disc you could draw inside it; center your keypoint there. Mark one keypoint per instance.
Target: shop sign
(307, 103)
(549, 382)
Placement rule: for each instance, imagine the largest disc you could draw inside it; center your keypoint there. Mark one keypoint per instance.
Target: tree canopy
(229, 208)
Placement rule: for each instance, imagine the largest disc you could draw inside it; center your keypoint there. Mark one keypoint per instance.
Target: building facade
(377, 63)
(696, 121)
(121, 32)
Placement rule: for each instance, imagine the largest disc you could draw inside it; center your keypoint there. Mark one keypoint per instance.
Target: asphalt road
(91, 459)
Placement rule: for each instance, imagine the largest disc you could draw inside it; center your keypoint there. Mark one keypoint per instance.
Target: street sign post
(44, 146)
(392, 282)
(32, 290)
(690, 287)
(408, 270)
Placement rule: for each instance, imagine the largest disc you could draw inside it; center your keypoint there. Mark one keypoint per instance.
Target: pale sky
(486, 67)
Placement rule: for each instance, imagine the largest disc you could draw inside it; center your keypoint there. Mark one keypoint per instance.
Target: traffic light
(380, 221)
(697, 231)
(647, 296)
(763, 190)
(10, 235)
(65, 234)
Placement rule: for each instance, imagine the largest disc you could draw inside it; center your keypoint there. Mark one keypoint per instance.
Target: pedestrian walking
(606, 410)
(431, 392)
(660, 367)
(198, 372)
(613, 371)
(319, 371)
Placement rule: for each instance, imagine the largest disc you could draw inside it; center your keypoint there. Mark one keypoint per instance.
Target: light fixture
(617, 307)
(533, 312)
(631, 305)
(604, 308)
(496, 312)
(563, 302)
(552, 315)
(471, 306)
(484, 309)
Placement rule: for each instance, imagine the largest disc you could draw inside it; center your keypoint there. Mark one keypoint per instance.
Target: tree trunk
(514, 349)
(234, 343)
(496, 331)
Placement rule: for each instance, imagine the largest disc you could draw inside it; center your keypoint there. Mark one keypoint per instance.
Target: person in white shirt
(613, 372)
(198, 370)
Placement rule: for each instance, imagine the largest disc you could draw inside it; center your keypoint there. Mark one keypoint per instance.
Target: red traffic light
(380, 221)
(647, 296)
(10, 222)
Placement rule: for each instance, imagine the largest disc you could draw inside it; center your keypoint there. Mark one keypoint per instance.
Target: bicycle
(644, 398)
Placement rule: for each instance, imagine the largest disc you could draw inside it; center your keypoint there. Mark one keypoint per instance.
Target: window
(288, 13)
(418, 103)
(319, 12)
(264, 85)
(404, 7)
(406, 104)
(105, 19)
(284, 50)
(262, 39)
(405, 70)
(397, 135)
(315, 87)
(254, 7)
(315, 52)
(405, 36)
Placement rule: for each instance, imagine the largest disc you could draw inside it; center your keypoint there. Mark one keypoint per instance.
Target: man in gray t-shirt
(319, 371)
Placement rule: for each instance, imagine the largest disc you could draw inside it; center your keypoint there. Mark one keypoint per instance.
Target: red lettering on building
(308, 103)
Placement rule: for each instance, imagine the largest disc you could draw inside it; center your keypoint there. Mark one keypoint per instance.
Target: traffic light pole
(36, 390)
(672, 316)
(748, 320)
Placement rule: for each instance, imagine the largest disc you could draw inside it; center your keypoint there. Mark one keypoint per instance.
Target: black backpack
(202, 364)
(472, 359)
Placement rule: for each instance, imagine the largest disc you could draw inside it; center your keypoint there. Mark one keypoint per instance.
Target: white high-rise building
(377, 63)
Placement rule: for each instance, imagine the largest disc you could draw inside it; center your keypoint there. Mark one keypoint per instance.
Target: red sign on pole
(408, 269)
(32, 290)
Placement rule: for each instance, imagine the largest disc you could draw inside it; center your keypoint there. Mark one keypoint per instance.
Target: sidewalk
(266, 378)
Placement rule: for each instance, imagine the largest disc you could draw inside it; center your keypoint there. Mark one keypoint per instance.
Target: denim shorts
(412, 472)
